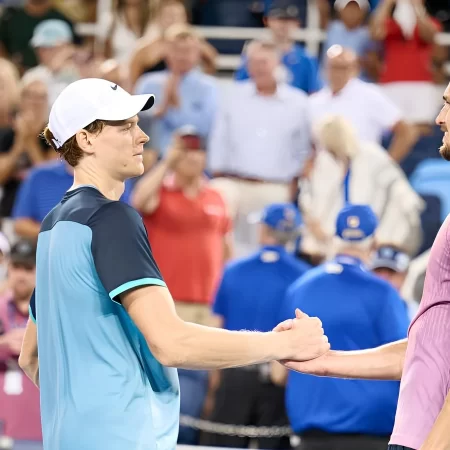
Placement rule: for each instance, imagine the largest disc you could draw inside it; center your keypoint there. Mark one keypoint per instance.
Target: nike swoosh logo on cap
(114, 87)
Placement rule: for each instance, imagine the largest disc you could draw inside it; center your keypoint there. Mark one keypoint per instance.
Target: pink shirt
(19, 397)
(426, 374)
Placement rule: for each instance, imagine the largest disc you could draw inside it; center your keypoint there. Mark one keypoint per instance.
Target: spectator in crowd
(123, 26)
(182, 211)
(259, 143)
(20, 145)
(17, 27)
(184, 95)
(348, 170)
(151, 50)
(19, 398)
(349, 30)
(408, 33)
(5, 250)
(246, 396)
(53, 44)
(391, 264)
(370, 112)
(359, 311)
(9, 93)
(298, 68)
(327, 10)
(40, 192)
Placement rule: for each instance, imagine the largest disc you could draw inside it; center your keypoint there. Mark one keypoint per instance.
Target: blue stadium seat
(431, 221)
(426, 147)
(432, 177)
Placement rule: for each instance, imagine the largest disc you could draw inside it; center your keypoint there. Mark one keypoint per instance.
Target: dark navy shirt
(44, 188)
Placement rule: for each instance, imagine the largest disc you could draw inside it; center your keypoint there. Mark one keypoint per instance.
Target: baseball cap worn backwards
(356, 223)
(283, 217)
(91, 99)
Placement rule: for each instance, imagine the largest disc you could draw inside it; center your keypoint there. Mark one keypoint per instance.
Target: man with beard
(423, 361)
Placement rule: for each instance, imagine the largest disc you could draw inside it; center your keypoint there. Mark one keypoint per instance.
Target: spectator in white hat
(53, 44)
(350, 30)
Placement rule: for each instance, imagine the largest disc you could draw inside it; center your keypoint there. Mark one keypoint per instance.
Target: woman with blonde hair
(347, 170)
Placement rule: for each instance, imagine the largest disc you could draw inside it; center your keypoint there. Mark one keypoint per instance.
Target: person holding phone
(182, 212)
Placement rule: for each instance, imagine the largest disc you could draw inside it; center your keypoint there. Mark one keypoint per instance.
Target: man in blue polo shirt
(300, 69)
(40, 192)
(359, 311)
(249, 297)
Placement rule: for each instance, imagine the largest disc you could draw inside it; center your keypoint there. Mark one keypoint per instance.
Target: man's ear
(85, 141)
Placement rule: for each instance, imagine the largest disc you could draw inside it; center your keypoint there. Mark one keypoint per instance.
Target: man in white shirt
(259, 142)
(370, 112)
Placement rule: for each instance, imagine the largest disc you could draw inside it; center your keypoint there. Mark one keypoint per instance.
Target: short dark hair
(70, 150)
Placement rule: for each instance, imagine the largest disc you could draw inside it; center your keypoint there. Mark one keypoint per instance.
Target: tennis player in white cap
(104, 335)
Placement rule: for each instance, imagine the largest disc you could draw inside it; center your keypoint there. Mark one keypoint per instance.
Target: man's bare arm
(404, 138)
(28, 359)
(439, 437)
(176, 343)
(381, 363)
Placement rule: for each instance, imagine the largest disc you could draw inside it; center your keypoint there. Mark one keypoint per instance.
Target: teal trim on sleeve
(135, 283)
(31, 314)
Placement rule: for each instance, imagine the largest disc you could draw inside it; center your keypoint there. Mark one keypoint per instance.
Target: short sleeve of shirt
(387, 113)
(121, 252)
(32, 307)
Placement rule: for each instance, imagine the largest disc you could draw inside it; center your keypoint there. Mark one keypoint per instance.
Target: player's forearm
(439, 438)
(30, 366)
(381, 363)
(198, 347)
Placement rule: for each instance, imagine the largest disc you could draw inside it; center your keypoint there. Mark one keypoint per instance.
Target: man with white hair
(359, 310)
(259, 142)
(363, 104)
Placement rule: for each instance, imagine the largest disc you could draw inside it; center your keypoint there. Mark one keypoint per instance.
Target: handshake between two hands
(307, 345)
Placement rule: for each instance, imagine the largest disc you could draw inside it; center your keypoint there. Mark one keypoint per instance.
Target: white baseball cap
(90, 99)
(341, 4)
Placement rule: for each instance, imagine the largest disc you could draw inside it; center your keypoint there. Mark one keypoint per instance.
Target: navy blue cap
(282, 217)
(356, 223)
(388, 257)
(284, 9)
(24, 251)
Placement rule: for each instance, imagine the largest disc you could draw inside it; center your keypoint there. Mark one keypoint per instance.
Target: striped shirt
(426, 373)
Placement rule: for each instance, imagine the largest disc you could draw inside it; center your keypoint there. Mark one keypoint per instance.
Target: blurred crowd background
(270, 118)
